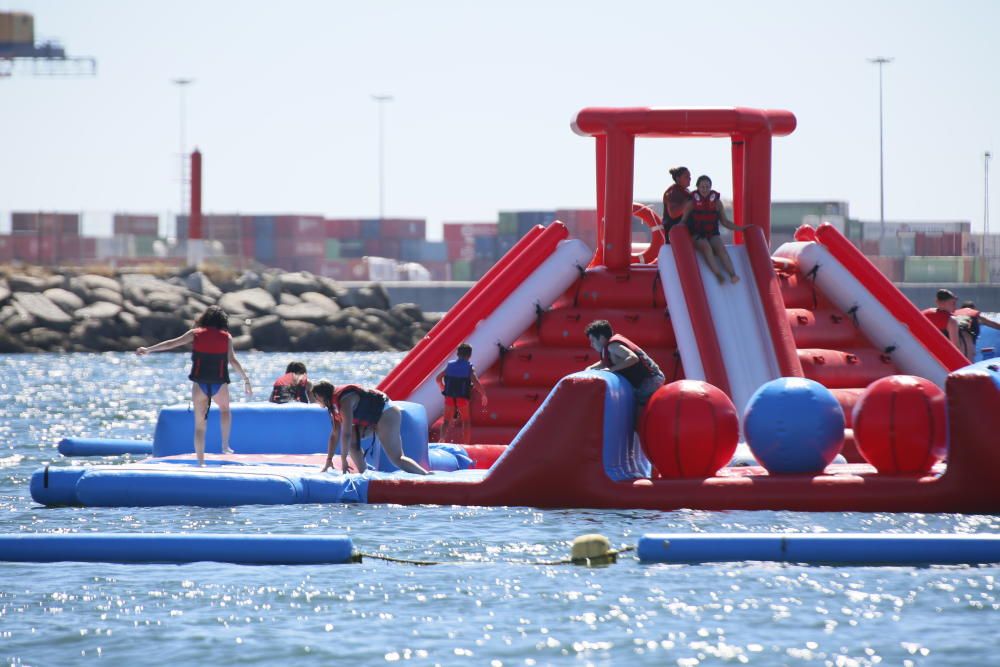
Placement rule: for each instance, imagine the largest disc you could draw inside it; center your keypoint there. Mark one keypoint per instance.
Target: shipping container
(345, 269)
(455, 232)
(486, 248)
(17, 28)
(25, 248)
(479, 267)
(981, 244)
(343, 228)
(901, 245)
(383, 247)
(352, 248)
(461, 270)
(440, 271)
(332, 249)
(873, 230)
(421, 250)
(304, 227)
(945, 270)
(937, 244)
(138, 225)
(312, 265)
(6, 248)
(462, 250)
(891, 267)
(46, 223)
(371, 229)
(403, 228)
(787, 216)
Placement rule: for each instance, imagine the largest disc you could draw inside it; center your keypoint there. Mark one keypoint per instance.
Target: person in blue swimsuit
(212, 353)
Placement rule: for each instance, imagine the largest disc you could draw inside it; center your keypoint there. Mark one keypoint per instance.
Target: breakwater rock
(268, 311)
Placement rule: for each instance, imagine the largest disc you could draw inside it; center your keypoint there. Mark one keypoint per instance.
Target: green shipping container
(506, 225)
(944, 270)
(333, 248)
(461, 270)
(144, 246)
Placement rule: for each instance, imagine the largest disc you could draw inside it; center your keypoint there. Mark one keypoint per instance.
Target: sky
(483, 96)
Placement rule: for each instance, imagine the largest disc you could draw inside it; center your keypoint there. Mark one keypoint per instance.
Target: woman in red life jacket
(293, 386)
(622, 356)
(703, 215)
(457, 382)
(211, 354)
(353, 410)
(675, 199)
(941, 316)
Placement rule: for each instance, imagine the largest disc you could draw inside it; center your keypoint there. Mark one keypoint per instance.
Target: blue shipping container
(486, 247)
(371, 229)
(263, 236)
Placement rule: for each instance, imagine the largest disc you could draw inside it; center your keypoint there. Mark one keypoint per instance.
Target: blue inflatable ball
(794, 426)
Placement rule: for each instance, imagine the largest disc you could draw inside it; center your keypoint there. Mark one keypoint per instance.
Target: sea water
(490, 602)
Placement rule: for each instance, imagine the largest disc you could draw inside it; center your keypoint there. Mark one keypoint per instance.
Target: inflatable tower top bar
(615, 131)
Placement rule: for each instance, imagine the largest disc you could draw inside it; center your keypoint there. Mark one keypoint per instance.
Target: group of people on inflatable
(959, 325)
(355, 410)
(701, 212)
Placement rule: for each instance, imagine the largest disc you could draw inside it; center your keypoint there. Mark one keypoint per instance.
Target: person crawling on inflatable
(622, 356)
(353, 410)
(457, 382)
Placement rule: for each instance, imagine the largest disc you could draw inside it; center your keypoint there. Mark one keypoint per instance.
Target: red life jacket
(939, 318)
(704, 218)
(636, 373)
(286, 390)
(371, 403)
(210, 356)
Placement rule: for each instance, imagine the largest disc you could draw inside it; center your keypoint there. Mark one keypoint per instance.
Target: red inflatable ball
(899, 424)
(689, 429)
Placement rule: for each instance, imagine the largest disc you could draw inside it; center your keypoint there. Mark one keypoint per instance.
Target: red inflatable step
(835, 369)
(538, 366)
(646, 327)
(600, 288)
(797, 291)
(826, 328)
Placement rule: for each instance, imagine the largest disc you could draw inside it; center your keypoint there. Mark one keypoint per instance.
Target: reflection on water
(489, 605)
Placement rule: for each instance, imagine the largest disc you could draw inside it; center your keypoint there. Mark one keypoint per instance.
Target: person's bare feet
(226, 449)
(721, 278)
(734, 279)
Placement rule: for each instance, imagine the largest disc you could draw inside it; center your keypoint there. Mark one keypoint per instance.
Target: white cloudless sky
(484, 94)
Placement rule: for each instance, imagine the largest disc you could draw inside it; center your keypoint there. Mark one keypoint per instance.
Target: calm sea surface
(480, 608)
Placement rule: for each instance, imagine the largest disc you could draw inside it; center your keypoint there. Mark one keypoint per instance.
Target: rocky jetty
(268, 311)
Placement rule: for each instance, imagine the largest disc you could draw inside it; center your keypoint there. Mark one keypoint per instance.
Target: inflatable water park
(812, 384)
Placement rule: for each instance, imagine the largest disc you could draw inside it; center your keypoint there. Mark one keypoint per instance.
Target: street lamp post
(880, 61)
(182, 85)
(986, 203)
(381, 100)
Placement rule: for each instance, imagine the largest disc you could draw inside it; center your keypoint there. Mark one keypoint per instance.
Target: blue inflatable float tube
(831, 548)
(167, 548)
(103, 447)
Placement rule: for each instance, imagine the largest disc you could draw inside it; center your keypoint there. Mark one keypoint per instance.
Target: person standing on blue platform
(353, 411)
(211, 354)
(457, 382)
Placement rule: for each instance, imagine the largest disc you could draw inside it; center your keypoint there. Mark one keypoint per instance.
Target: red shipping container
(249, 246)
(306, 227)
(464, 249)
(46, 223)
(137, 225)
(455, 232)
(48, 248)
(401, 228)
(6, 248)
(68, 249)
(343, 229)
(88, 247)
(26, 248)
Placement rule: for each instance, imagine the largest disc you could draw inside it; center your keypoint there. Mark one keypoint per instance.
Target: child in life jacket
(703, 215)
(293, 386)
(942, 316)
(970, 323)
(457, 382)
(353, 410)
(211, 354)
(622, 356)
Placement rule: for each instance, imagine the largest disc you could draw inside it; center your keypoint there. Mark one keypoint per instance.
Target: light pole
(182, 85)
(880, 61)
(986, 202)
(381, 100)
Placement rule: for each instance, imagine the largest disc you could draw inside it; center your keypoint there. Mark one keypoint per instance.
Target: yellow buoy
(592, 550)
